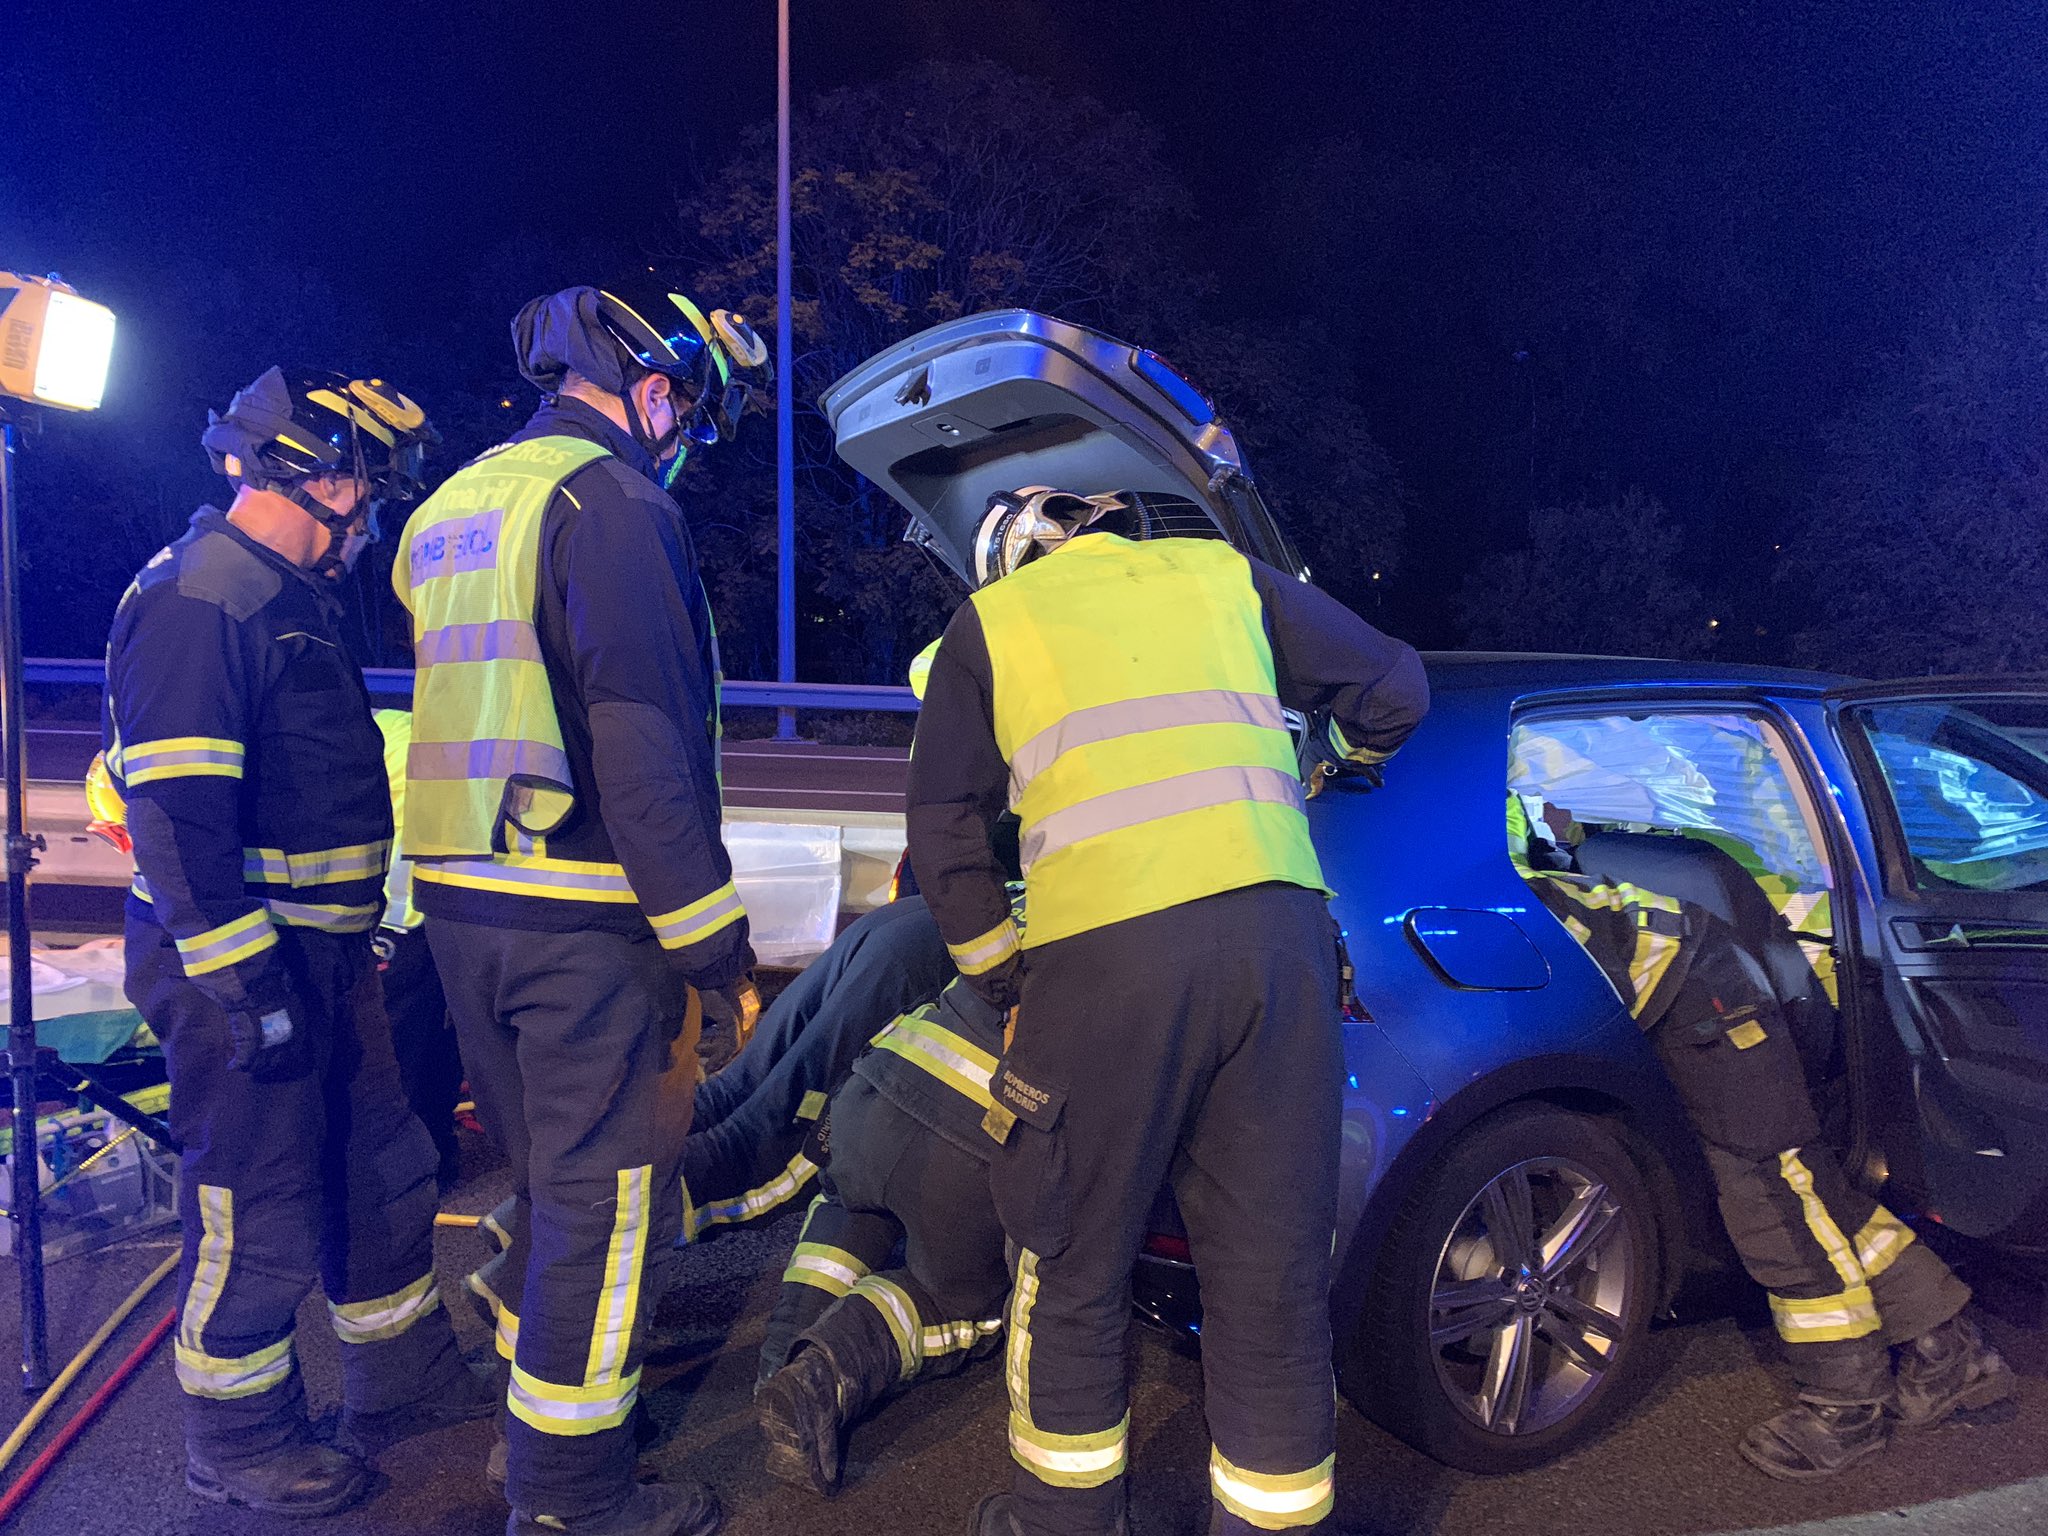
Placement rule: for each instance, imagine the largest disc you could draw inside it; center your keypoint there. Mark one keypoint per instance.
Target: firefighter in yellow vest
(563, 819)
(1177, 981)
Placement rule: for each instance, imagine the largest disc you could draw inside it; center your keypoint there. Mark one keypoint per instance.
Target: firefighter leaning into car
(1847, 1280)
(906, 1163)
(1177, 981)
(239, 734)
(563, 816)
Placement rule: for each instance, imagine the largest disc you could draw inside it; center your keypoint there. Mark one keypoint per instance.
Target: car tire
(1438, 1269)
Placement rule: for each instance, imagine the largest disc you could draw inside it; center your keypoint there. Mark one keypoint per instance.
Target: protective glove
(268, 1045)
(736, 1005)
(1324, 758)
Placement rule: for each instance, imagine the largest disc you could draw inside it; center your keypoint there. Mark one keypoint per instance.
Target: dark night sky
(390, 146)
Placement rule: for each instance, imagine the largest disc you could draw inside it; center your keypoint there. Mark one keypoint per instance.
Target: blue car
(1520, 1191)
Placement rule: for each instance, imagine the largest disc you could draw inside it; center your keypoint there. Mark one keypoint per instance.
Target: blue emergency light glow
(1162, 376)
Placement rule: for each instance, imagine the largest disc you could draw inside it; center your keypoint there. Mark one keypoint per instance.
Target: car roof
(1528, 671)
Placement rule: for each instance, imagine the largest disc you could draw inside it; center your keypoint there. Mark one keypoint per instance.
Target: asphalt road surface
(921, 1464)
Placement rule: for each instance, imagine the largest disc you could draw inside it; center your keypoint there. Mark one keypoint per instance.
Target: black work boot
(651, 1509)
(299, 1482)
(1816, 1438)
(464, 1396)
(803, 1419)
(992, 1517)
(1950, 1370)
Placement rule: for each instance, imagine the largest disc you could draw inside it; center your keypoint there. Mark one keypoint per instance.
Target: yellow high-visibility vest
(396, 727)
(486, 772)
(1135, 702)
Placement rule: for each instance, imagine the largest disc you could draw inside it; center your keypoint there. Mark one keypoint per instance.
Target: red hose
(75, 1425)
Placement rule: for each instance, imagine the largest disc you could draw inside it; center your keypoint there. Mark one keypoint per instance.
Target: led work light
(54, 345)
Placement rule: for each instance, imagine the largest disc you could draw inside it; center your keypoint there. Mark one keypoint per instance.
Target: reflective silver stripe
(497, 640)
(558, 1410)
(1140, 803)
(490, 758)
(981, 955)
(322, 866)
(223, 946)
(334, 919)
(1133, 717)
(700, 919)
(204, 1375)
(385, 1317)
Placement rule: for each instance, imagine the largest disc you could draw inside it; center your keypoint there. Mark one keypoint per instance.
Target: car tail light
(1163, 1245)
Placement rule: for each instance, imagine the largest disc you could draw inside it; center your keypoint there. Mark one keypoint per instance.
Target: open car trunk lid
(1002, 400)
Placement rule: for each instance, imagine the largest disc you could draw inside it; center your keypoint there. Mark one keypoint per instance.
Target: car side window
(1686, 804)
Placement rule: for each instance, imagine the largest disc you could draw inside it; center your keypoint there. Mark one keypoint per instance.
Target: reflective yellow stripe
(204, 1375)
(385, 1317)
(1849, 1314)
(831, 1270)
(1274, 1501)
(618, 1298)
(899, 1312)
(180, 757)
(700, 919)
(1883, 1238)
(954, 1061)
(199, 1373)
(554, 1409)
(210, 1268)
(978, 956)
(324, 866)
(1069, 1461)
(1364, 755)
(1066, 1461)
(218, 948)
(1818, 1220)
(768, 1196)
(522, 874)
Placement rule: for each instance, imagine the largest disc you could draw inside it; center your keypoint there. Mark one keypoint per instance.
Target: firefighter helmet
(1021, 525)
(286, 429)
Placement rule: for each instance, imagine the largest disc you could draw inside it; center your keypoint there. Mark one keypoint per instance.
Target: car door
(1953, 777)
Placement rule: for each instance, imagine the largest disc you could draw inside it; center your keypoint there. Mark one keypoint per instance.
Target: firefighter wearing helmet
(1126, 698)
(238, 732)
(563, 815)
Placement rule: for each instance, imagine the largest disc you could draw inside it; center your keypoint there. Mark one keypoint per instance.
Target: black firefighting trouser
(744, 1158)
(892, 1180)
(315, 1167)
(581, 1051)
(1846, 1278)
(1199, 1045)
(423, 1038)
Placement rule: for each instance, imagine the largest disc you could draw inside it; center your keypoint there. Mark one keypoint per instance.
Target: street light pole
(785, 393)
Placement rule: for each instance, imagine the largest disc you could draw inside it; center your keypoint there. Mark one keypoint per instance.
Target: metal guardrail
(395, 683)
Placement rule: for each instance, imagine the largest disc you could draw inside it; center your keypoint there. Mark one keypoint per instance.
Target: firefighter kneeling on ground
(1848, 1281)
(906, 1153)
(1178, 979)
(235, 718)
